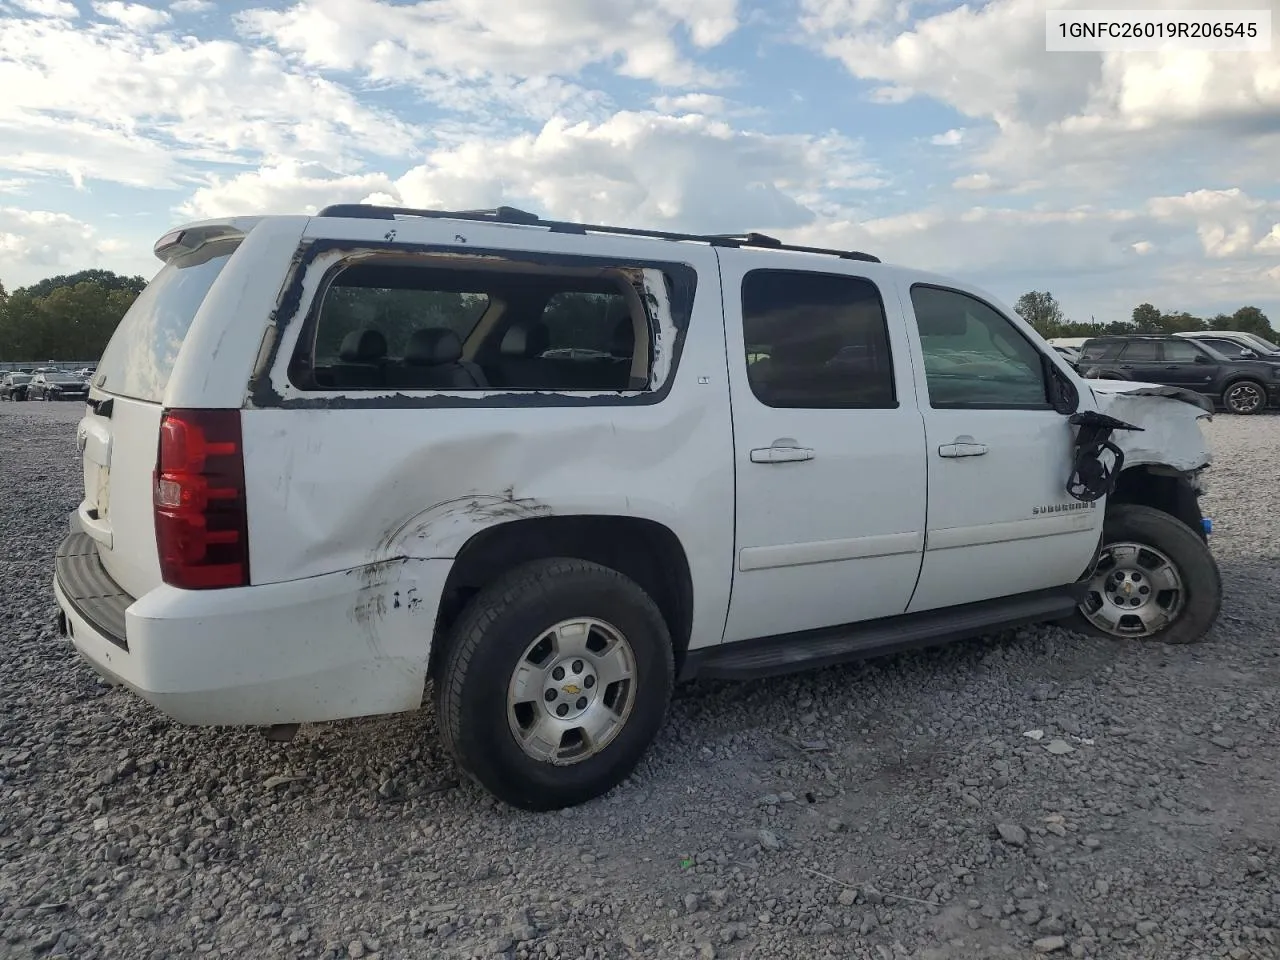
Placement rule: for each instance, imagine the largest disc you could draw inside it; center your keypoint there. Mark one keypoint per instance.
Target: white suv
(556, 467)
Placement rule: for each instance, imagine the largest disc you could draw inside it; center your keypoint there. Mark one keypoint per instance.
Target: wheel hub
(1136, 591)
(572, 691)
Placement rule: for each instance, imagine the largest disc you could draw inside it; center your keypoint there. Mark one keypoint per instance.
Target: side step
(793, 652)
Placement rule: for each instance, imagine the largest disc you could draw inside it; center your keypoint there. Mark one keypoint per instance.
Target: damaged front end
(1143, 444)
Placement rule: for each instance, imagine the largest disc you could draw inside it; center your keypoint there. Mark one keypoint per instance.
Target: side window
(1141, 351)
(1101, 350)
(816, 340)
(973, 356)
(1176, 351)
(381, 326)
(1228, 348)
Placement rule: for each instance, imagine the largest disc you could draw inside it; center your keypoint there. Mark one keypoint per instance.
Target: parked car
(1241, 386)
(327, 458)
(13, 386)
(57, 386)
(1235, 345)
(1071, 354)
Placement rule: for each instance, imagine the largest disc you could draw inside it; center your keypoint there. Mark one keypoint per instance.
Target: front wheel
(1155, 579)
(555, 681)
(1245, 397)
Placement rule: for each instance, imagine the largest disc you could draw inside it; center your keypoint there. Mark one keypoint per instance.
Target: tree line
(68, 317)
(1042, 310)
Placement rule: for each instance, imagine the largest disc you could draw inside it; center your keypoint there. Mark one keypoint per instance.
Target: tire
(1245, 397)
(500, 630)
(1189, 611)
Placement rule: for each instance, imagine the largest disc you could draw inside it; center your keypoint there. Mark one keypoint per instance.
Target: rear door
(119, 435)
(1140, 360)
(829, 447)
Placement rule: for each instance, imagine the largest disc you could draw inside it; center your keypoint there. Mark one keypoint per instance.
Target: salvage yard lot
(851, 812)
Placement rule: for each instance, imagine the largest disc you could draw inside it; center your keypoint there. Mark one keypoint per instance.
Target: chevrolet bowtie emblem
(572, 689)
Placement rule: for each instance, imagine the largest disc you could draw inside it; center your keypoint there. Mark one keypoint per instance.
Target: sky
(933, 134)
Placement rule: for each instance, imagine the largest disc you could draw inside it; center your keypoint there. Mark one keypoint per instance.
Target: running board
(793, 652)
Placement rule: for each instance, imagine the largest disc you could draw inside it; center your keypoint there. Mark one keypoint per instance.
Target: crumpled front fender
(1171, 434)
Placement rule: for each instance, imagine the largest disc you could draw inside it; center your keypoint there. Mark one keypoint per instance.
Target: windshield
(144, 348)
(1264, 344)
(20, 378)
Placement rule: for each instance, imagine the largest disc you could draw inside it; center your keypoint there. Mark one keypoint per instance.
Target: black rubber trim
(89, 589)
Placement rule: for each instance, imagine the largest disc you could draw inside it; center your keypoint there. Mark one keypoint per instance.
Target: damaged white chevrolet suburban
(556, 467)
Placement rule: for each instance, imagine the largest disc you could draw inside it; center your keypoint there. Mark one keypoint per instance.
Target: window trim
(270, 387)
(1044, 382)
(895, 401)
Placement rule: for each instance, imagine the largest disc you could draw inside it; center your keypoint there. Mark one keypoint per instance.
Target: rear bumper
(342, 645)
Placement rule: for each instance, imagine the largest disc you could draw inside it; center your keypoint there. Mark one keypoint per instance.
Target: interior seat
(433, 361)
(363, 357)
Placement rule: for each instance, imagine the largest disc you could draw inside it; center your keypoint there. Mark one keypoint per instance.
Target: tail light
(201, 517)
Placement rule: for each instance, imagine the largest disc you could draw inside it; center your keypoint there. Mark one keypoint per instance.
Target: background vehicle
(13, 386)
(57, 386)
(1235, 345)
(1241, 386)
(745, 459)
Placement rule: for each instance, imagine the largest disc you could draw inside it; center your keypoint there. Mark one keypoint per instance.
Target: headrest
(433, 345)
(361, 346)
(530, 341)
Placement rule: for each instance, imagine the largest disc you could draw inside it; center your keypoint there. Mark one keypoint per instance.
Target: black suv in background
(1241, 386)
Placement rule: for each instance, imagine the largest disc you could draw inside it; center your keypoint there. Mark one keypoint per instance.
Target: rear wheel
(1155, 579)
(555, 681)
(1245, 397)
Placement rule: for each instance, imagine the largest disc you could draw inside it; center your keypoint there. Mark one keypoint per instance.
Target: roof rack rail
(512, 215)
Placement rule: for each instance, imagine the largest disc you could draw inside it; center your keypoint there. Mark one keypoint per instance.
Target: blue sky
(934, 134)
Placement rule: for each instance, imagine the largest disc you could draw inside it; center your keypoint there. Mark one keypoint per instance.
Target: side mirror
(1062, 393)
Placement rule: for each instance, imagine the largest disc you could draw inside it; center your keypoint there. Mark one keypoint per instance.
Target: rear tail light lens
(201, 517)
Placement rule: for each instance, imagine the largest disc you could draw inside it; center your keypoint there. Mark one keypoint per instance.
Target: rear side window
(1141, 351)
(816, 340)
(141, 353)
(426, 325)
(1102, 350)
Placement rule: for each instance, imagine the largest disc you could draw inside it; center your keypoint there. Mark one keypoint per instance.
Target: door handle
(782, 451)
(964, 446)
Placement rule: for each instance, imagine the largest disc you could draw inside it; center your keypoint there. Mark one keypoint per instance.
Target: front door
(829, 448)
(1181, 368)
(1000, 521)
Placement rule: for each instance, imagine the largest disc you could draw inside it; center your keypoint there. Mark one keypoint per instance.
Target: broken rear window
(424, 323)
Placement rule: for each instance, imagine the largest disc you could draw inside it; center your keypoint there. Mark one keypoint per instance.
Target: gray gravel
(888, 810)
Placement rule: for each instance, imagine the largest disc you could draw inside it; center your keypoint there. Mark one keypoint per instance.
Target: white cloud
(288, 187)
(645, 168)
(35, 244)
(495, 38)
(952, 138)
(135, 16)
(48, 8)
(975, 181)
(1084, 114)
(193, 6)
(169, 100)
(707, 103)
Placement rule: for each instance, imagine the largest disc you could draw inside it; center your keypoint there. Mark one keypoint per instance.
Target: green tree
(1249, 320)
(1042, 310)
(57, 320)
(102, 278)
(1146, 318)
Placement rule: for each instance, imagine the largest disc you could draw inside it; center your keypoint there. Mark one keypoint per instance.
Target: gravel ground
(885, 810)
